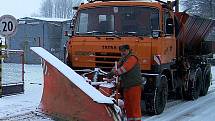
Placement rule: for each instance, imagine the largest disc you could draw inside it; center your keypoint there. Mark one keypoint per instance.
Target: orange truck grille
(106, 60)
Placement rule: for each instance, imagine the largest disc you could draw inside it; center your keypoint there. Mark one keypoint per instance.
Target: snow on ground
(27, 103)
(12, 73)
(23, 107)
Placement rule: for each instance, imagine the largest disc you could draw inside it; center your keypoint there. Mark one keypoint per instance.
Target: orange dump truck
(170, 46)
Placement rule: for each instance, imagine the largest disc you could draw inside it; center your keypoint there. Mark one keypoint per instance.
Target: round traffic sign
(8, 25)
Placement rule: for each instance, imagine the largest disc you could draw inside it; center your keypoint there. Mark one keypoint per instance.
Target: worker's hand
(112, 73)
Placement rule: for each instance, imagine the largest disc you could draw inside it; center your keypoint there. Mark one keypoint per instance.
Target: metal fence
(13, 73)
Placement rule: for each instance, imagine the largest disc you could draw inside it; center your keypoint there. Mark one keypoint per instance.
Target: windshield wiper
(94, 32)
(133, 33)
(89, 33)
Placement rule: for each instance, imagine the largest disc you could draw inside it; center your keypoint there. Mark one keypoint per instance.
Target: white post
(117, 81)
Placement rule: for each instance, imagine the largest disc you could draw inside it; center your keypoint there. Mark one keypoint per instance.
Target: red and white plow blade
(67, 95)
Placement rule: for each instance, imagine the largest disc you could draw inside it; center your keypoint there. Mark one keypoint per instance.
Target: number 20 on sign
(8, 25)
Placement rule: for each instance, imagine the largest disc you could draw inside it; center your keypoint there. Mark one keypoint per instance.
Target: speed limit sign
(8, 25)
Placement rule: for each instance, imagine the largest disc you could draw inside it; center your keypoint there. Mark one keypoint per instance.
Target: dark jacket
(131, 77)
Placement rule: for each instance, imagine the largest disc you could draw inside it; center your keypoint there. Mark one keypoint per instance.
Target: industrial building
(44, 32)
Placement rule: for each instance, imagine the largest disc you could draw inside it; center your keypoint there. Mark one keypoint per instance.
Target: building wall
(28, 35)
(35, 33)
(54, 39)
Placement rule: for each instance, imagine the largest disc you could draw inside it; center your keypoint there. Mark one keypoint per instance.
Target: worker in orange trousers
(130, 79)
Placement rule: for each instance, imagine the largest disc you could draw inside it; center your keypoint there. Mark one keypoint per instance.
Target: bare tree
(58, 8)
(204, 8)
(47, 8)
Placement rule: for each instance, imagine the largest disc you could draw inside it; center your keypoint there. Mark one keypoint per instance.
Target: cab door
(169, 40)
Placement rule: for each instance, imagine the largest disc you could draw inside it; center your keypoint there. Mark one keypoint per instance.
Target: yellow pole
(2, 56)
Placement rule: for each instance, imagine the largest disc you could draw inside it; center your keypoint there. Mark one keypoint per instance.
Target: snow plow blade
(66, 94)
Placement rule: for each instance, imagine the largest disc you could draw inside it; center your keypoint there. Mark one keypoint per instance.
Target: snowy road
(23, 107)
(199, 110)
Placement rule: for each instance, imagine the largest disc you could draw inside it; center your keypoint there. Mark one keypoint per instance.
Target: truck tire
(206, 80)
(160, 96)
(194, 85)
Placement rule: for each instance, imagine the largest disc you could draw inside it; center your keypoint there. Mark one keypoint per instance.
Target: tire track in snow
(30, 116)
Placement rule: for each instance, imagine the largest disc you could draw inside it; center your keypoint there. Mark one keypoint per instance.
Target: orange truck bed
(192, 30)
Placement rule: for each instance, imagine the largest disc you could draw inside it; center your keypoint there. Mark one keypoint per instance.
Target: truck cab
(101, 27)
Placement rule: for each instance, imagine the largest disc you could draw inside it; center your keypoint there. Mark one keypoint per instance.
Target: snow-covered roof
(45, 19)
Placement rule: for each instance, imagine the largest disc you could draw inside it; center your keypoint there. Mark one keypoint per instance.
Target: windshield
(118, 20)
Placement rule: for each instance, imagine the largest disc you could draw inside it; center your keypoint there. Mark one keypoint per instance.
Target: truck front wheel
(160, 96)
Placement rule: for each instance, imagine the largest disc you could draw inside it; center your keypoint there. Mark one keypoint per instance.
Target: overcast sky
(19, 8)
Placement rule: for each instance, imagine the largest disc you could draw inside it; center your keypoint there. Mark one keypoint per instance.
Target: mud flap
(68, 96)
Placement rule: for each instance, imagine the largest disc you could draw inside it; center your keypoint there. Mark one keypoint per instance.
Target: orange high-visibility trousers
(132, 97)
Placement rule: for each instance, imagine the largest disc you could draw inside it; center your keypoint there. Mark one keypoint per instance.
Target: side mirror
(156, 33)
(169, 26)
